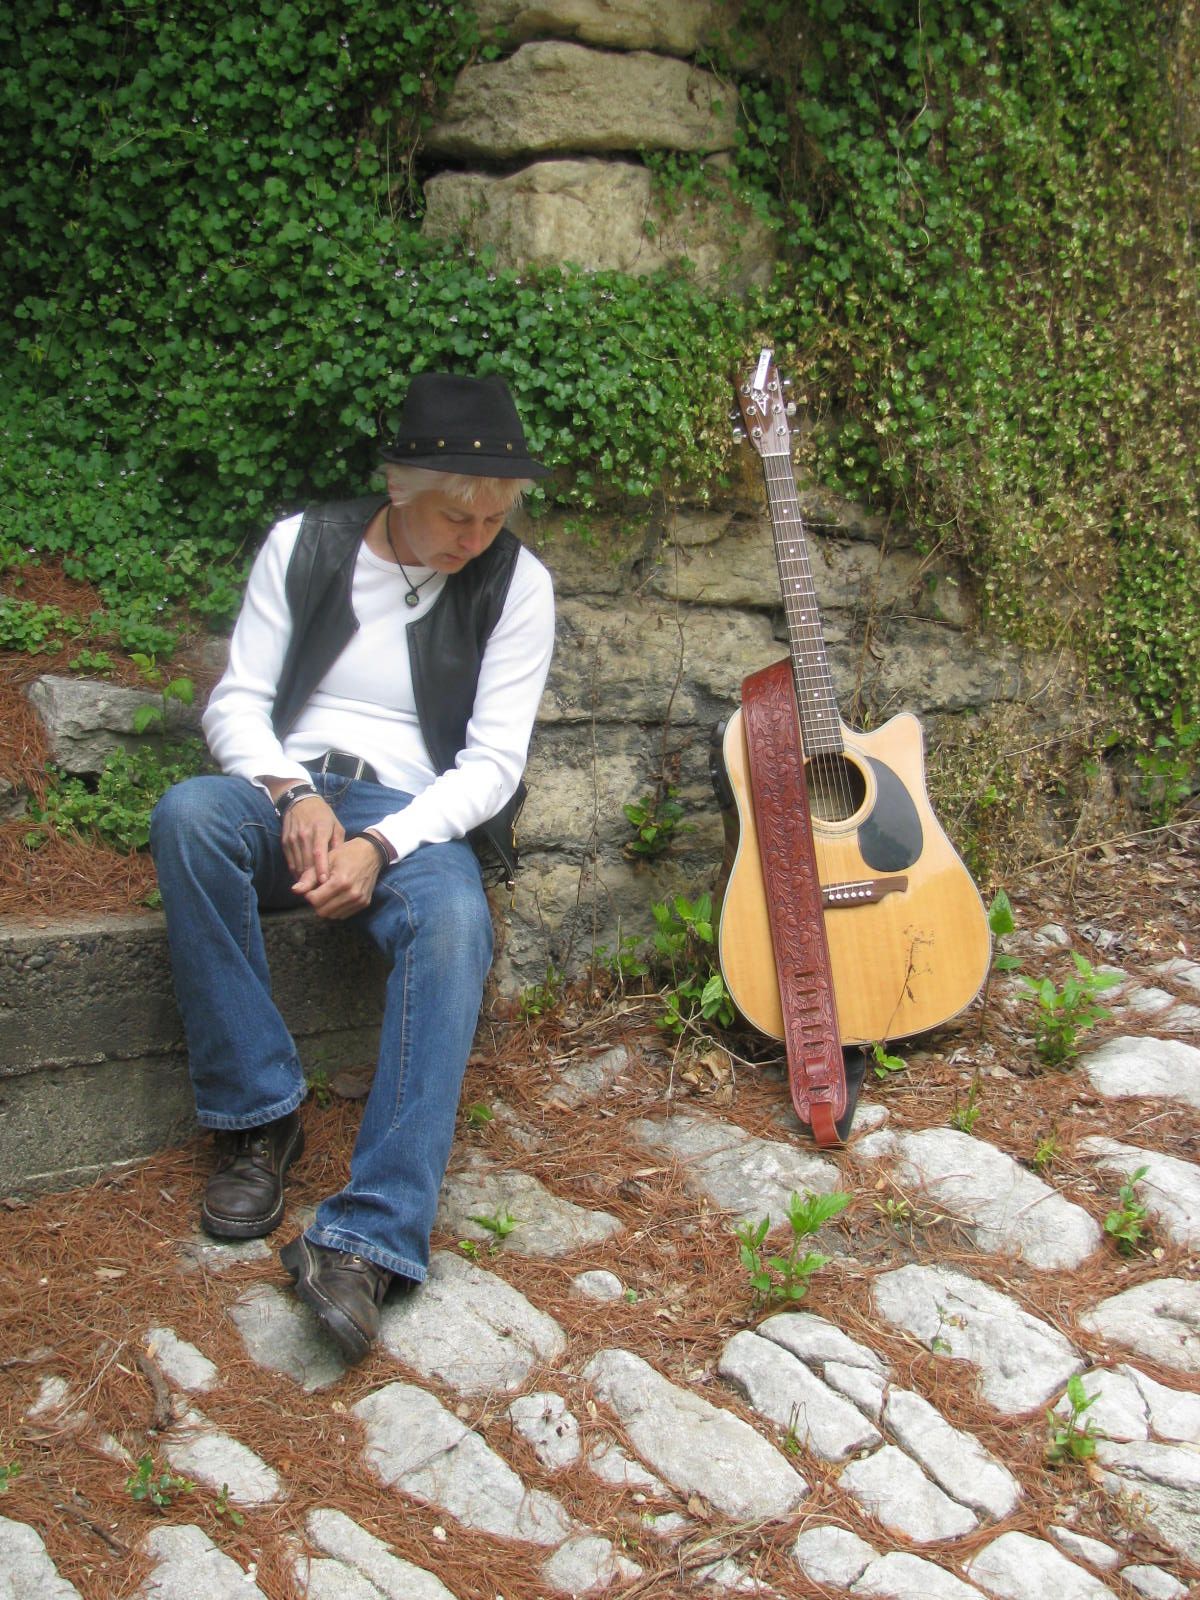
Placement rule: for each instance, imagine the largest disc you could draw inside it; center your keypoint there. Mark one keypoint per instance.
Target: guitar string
(815, 695)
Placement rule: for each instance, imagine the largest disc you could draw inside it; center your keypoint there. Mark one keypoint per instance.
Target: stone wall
(538, 154)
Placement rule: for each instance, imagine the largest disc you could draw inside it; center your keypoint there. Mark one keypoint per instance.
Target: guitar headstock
(764, 410)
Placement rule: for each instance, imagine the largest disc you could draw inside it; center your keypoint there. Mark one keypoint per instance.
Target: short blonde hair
(404, 484)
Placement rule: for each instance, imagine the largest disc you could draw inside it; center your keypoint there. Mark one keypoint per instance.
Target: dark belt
(341, 764)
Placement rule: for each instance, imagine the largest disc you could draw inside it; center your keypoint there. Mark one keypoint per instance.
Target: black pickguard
(890, 840)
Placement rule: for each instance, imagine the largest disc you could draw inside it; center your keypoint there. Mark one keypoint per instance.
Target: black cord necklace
(413, 597)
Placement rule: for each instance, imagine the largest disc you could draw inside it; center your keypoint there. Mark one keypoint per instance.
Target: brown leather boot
(244, 1198)
(345, 1291)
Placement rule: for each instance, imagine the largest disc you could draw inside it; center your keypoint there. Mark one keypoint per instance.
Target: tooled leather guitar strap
(816, 1070)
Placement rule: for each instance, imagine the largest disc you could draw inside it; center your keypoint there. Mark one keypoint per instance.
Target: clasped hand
(334, 874)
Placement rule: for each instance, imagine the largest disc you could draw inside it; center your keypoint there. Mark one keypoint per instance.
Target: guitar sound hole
(836, 787)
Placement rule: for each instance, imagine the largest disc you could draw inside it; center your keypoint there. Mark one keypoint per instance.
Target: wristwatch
(298, 791)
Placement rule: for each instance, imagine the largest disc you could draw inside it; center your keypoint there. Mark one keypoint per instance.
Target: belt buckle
(354, 765)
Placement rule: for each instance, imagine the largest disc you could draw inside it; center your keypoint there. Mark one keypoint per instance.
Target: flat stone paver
(1165, 1478)
(781, 1388)
(1009, 1210)
(549, 1428)
(352, 1558)
(282, 1335)
(891, 1487)
(1022, 1362)
(587, 1564)
(1132, 1067)
(751, 1177)
(26, 1571)
(698, 1448)
(415, 1445)
(470, 1329)
(1170, 1191)
(834, 1556)
(1154, 1583)
(181, 1363)
(1160, 1320)
(1016, 1567)
(953, 1459)
(196, 1449)
(546, 1225)
(188, 1566)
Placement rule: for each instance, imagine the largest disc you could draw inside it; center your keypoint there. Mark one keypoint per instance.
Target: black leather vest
(445, 646)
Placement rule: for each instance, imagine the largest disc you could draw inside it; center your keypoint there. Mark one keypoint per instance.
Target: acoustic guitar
(908, 936)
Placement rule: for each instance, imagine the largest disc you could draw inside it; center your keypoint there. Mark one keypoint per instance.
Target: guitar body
(908, 935)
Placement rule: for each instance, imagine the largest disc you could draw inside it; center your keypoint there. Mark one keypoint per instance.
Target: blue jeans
(216, 846)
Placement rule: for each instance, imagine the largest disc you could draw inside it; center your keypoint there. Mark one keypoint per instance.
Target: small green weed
(1170, 770)
(1126, 1223)
(223, 1509)
(1046, 1152)
(1002, 922)
(479, 1115)
(625, 963)
(783, 1277)
(894, 1209)
(498, 1226)
(8, 1473)
(96, 663)
(182, 690)
(159, 1487)
(1063, 1014)
(540, 999)
(684, 941)
(964, 1117)
(24, 625)
(126, 792)
(318, 1083)
(656, 819)
(884, 1065)
(1069, 1441)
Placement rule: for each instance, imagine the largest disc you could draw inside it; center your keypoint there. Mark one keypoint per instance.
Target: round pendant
(412, 598)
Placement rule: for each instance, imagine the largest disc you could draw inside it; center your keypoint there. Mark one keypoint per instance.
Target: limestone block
(181, 1363)
(1154, 1583)
(1009, 1209)
(546, 1224)
(782, 1389)
(1132, 1067)
(352, 1555)
(188, 1566)
(1016, 1565)
(1022, 1362)
(417, 1446)
(282, 1335)
(550, 1430)
(26, 1569)
(740, 1173)
(602, 216)
(674, 27)
(469, 1329)
(587, 1564)
(953, 1459)
(197, 1449)
(891, 1487)
(1160, 1320)
(85, 721)
(697, 1447)
(553, 96)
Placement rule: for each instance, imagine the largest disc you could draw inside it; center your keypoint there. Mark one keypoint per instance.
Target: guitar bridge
(861, 891)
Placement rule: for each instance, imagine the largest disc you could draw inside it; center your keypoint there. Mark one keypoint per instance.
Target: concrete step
(93, 1070)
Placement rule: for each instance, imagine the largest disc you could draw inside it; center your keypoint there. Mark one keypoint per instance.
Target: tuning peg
(790, 408)
(739, 435)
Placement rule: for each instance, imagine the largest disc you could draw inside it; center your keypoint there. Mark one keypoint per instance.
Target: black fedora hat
(456, 424)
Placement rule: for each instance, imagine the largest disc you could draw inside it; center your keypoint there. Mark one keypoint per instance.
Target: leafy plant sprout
(1072, 1439)
(1064, 1014)
(157, 1485)
(1126, 1223)
(782, 1277)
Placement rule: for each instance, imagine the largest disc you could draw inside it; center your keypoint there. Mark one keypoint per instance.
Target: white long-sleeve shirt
(365, 703)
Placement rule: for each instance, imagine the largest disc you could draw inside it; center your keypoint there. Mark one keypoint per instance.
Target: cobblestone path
(595, 1404)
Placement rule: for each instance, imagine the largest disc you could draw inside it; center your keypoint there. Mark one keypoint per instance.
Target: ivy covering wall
(216, 291)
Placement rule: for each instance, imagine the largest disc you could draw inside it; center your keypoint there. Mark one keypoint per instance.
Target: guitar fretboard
(820, 723)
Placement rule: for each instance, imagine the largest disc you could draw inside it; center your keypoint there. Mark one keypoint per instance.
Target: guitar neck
(816, 704)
